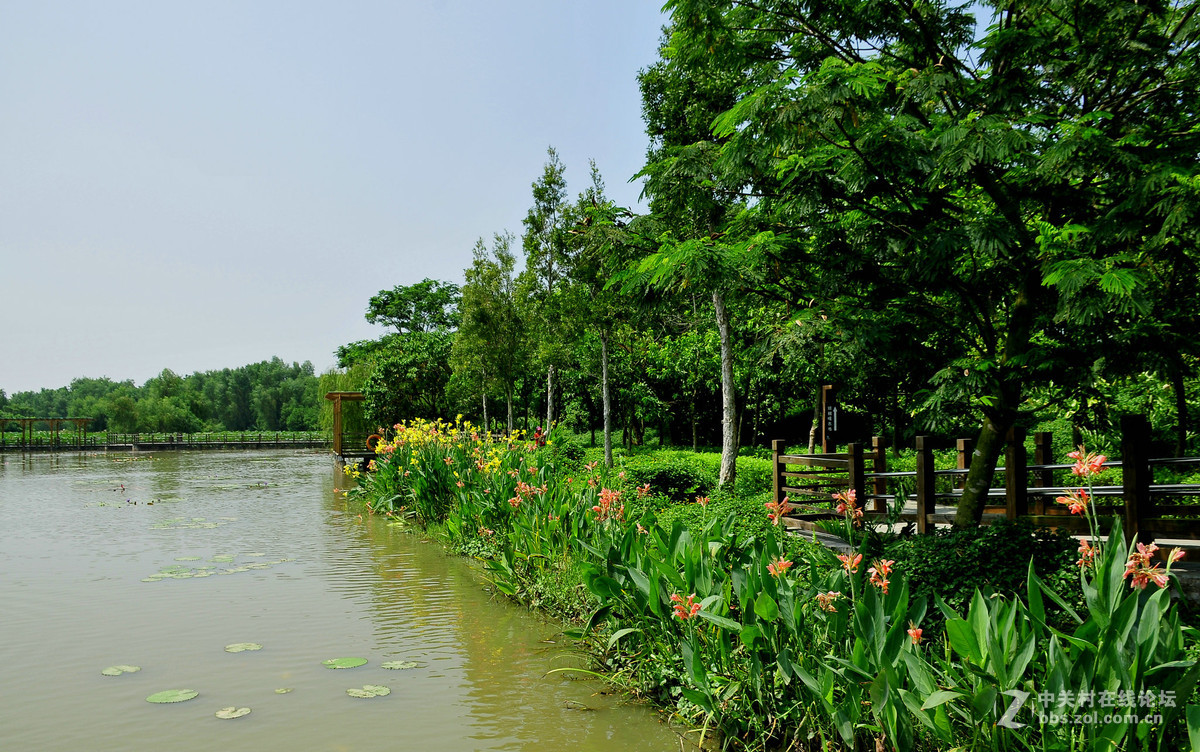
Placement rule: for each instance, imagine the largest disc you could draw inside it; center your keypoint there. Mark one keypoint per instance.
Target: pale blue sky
(202, 185)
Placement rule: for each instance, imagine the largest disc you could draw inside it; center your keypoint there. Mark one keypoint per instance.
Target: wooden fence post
(965, 448)
(879, 447)
(926, 493)
(1043, 454)
(1016, 476)
(1136, 476)
(854, 473)
(777, 448)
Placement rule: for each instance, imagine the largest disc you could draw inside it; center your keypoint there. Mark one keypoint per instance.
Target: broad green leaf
(231, 712)
(765, 607)
(344, 662)
(398, 665)
(172, 695)
(241, 647)
(118, 670)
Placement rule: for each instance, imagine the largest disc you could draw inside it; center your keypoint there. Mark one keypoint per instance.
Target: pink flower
(1141, 573)
(608, 509)
(850, 563)
(779, 567)
(778, 510)
(915, 633)
(643, 490)
(825, 600)
(514, 502)
(879, 573)
(702, 501)
(1087, 554)
(1076, 499)
(847, 506)
(685, 610)
(1087, 463)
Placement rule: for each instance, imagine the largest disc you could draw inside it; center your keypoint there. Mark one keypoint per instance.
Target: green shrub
(750, 515)
(954, 562)
(679, 476)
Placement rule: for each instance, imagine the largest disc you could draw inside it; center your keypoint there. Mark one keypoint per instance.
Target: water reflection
(75, 555)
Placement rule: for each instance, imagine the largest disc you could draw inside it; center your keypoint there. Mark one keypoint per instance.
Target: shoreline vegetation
(698, 601)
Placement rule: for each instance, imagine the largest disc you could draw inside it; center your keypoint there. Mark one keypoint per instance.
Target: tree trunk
(485, 418)
(728, 398)
(1006, 401)
(1181, 410)
(509, 396)
(988, 447)
(606, 399)
(816, 423)
(549, 397)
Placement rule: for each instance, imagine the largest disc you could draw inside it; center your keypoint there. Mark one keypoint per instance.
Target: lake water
(162, 561)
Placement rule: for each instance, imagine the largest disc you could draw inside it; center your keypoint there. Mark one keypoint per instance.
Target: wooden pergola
(55, 426)
(337, 398)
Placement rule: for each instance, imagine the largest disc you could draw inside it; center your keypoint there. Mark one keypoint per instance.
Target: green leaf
(231, 712)
(241, 647)
(172, 695)
(616, 636)
(963, 640)
(118, 670)
(940, 697)
(398, 665)
(766, 608)
(344, 662)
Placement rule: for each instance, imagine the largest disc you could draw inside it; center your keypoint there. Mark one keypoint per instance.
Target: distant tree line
(267, 396)
(966, 226)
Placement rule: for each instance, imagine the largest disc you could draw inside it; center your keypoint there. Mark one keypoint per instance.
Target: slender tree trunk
(606, 399)
(1181, 410)
(509, 397)
(549, 397)
(728, 397)
(816, 423)
(485, 416)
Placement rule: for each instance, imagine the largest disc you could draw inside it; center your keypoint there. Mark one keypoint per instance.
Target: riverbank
(706, 607)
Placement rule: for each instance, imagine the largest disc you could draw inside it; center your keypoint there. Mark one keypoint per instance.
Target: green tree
(989, 186)
(427, 306)
(545, 245)
(490, 349)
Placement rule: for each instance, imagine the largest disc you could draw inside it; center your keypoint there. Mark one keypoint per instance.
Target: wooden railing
(205, 440)
(811, 481)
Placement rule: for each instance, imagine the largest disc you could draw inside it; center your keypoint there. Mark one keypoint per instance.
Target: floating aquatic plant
(231, 712)
(172, 695)
(283, 690)
(118, 670)
(368, 691)
(399, 665)
(344, 662)
(241, 647)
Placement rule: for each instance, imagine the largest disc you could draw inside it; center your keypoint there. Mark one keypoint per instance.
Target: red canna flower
(779, 567)
(1076, 499)
(1087, 463)
(685, 610)
(778, 510)
(915, 633)
(850, 563)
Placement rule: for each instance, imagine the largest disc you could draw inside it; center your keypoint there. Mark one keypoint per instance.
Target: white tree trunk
(605, 398)
(509, 397)
(549, 398)
(728, 398)
(485, 420)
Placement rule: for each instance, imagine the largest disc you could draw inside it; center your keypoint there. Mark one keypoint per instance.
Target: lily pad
(118, 670)
(283, 690)
(344, 662)
(172, 695)
(222, 559)
(398, 665)
(187, 558)
(231, 712)
(241, 647)
(368, 691)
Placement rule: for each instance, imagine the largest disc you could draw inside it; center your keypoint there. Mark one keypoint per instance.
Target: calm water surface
(260, 548)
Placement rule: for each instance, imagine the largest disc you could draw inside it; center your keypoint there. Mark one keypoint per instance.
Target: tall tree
(545, 244)
(426, 306)
(985, 185)
(490, 347)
